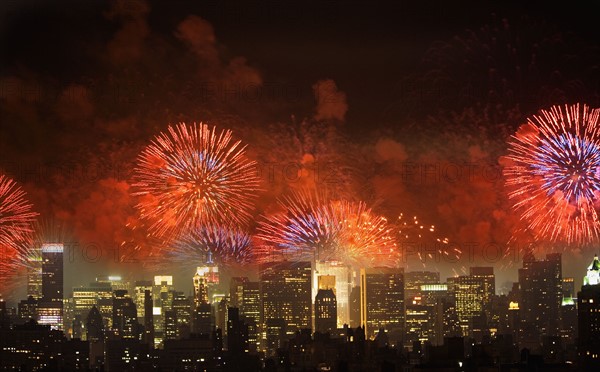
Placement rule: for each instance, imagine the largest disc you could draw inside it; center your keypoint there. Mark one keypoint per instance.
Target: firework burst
(312, 228)
(16, 218)
(221, 245)
(16, 215)
(191, 176)
(552, 172)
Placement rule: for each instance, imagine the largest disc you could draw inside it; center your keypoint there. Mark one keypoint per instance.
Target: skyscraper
(124, 322)
(50, 310)
(588, 300)
(473, 294)
(342, 276)
(245, 295)
(382, 300)
(139, 296)
(325, 311)
(540, 283)
(413, 281)
(286, 293)
(209, 272)
(162, 295)
(34, 275)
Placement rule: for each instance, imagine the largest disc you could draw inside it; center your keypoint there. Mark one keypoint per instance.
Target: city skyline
(328, 185)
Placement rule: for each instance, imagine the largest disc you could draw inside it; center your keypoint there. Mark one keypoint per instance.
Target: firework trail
(312, 228)
(192, 175)
(552, 172)
(415, 238)
(16, 218)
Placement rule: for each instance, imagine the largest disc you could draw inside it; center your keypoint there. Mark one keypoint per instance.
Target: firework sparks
(415, 238)
(16, 218)
(221, 245)
(313, 228)
(553, 173)
(192, 176)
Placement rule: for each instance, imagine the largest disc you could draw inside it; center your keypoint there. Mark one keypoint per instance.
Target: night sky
(354, 89)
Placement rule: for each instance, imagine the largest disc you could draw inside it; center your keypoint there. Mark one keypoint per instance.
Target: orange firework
(193, 175)
(312, 227)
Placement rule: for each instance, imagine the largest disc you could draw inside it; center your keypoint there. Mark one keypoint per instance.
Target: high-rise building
(148, 318)
(568, 287)
(95, 336)
(588, 301)
(285, 291)
(202, 322)
(382, 301)
(28, 309)
(245, 295)
(50, 309)
(341, 275)
(139, 296)
(162, 295)
(541, 284)
(124, 321)
(182, 306)
(200, 289)
(325, 311)
(355, 307)
(116, 282)
(473, 294)
(488, 282)
(237, 333)
(35, 274)
(211, 279)
(413, 281)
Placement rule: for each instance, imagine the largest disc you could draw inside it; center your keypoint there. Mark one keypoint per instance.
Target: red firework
(16, 218)
(191, 176)
(552, 172)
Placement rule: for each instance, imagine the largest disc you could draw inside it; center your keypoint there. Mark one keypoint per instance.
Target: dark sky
(428, 82)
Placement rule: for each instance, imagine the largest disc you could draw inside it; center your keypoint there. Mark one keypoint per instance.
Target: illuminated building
(50, 309)
(588, 311)
(341, 275)
(34, 275)
(170, 325)
(162, 295)
(182, 306)
(28, 309)
(439, 304)
(473, 294)
(568, 287)
(124, 316)
(326, 282)
(325, 311)
(382, 300)
(208, 281)
(200, 288)
(148, 338)
(245, 295)
(139, 296)
(417, 324)
(286, 289)
(116, 282)
(540, 284)
(413, 281)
